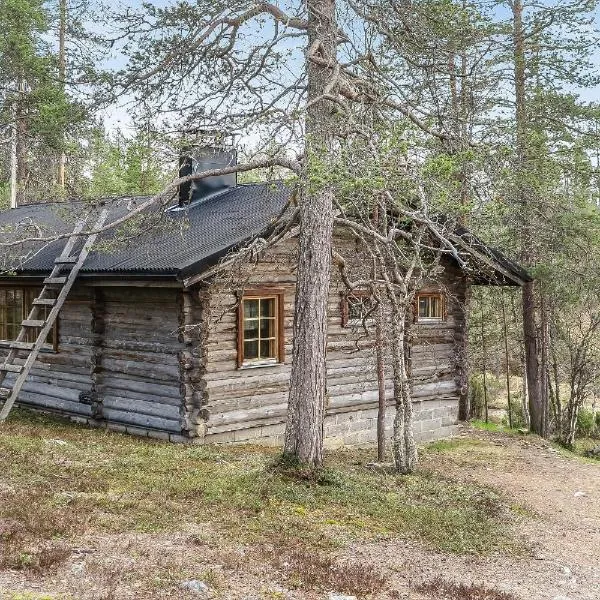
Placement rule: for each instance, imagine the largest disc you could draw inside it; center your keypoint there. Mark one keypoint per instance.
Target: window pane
(251, 329)
(268, 349)
(267, 307)
(423, 306)
(251, 350)
(359, 307)
(251, 309)
(15, 305)
(435, 307)
(267, 328)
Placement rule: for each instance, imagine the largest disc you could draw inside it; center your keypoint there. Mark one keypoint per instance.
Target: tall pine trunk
(534, 388)
(306, 407)
(62, 73)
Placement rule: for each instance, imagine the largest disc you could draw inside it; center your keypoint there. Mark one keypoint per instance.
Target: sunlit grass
(60, 480)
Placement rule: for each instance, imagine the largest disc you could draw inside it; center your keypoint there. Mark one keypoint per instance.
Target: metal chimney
(200, 158)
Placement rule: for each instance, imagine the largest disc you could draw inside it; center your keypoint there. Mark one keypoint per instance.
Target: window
(430, 307)
(15, 306)
(358, 307)
(260, 328)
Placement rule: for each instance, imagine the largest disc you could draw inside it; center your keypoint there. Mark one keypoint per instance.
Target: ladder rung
(54, 280)
(33, 323)
(65, 260)
(21, 345)
(11, 368)
(44, 302)
(4, 392)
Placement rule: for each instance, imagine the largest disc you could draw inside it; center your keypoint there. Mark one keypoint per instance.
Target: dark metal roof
(491, 266)
(170, 242)
(178, 243)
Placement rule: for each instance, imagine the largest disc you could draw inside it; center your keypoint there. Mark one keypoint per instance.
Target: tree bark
(13, 157)
(403, 441)
(306, 406)
(534, 390)
(380, 350)
(62, 72)
(536, 411)
(506, 361)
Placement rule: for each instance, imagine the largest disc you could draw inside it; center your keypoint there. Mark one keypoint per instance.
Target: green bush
(477, 397)
(516, 407)
(586, 423)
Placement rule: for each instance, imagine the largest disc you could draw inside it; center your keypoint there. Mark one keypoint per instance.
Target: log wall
(57, 379)
(118, 363)
(138, 382)
(163, 362)
(250, 404)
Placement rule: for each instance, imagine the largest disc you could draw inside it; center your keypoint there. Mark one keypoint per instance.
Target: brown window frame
(28, 295)
(443, 315)
(345, 308)
(261, 294)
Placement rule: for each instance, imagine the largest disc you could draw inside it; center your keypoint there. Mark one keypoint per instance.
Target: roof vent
(205, 157)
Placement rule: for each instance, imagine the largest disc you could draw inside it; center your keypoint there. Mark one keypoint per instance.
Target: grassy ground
(59, 481)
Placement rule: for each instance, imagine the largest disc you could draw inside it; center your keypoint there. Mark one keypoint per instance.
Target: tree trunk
(484, 367)
(304, 428)
(62, 72)
(506, 362)
(380, 350)
(544, 369)
(403, 441)
(536, 410)
(572, 414)
(21, 147)
(524, 199)
(13, 157)
(462, 358)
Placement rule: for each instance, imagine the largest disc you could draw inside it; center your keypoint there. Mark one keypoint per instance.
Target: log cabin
(148, 344)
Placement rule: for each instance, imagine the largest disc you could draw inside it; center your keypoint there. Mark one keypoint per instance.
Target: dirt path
(560, 526)
(564, 535)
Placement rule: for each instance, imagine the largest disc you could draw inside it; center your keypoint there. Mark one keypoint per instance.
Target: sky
(118, 117)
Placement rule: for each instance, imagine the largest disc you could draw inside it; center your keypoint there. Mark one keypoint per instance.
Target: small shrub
(441, 589)
(516, 409)
(493, 387)
(317, 571)
(586, 424)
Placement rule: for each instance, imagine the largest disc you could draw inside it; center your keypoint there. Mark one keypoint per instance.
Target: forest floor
(91, 515)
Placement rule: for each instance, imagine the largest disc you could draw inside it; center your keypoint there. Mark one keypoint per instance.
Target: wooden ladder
(58, 283)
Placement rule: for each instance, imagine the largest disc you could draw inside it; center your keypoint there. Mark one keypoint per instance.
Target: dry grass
(317, 571)
(59, 481)
(440, 589)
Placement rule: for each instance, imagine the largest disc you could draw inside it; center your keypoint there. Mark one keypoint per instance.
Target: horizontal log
(140, 369)
(145, 421)
(243, 425)
(128, 404)
(122, 382)
(27, 398)
(52, 391)
(107, 388)
(239, 416)
(434, 389)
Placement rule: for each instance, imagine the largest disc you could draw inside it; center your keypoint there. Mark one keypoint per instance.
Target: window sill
(430, 320)
(259, 364)
(44, 350)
